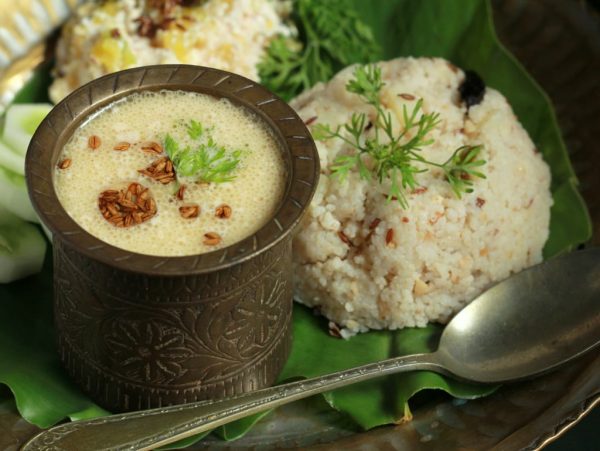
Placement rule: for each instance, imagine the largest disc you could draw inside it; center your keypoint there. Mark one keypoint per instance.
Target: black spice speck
(472, 89)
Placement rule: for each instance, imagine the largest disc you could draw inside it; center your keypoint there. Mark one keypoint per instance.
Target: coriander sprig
(460, 169)
(330, 36)
(392, 155)
(208, 162)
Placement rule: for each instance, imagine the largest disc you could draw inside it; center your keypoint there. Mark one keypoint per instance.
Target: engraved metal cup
(138, 331)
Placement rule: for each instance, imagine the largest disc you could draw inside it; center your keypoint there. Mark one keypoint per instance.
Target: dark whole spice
(345, 238)
(223, 211)
(146, 27)
(64, 164)
(472, 89)
(189, 211)
(310, 120)
(127, 207)
(160, 170)
(159, 14)
(334, 330)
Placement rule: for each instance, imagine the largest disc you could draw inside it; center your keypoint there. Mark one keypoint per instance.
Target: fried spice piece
(189, 211)
(389, 238)
(94, 142)
(180, 192)
(159, 14)
(160, 170)
(64, 164)
(212, 238)
(152, 147)
(122, 146)
(223, 211)
(345, 238)
(127, 207)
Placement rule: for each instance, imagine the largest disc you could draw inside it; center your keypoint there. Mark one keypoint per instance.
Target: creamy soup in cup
(171, 173)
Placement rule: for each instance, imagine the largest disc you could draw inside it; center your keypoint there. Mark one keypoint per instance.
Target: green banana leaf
(461, 31)
(29, 364)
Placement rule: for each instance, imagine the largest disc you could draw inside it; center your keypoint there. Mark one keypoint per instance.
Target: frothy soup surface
(171, 173)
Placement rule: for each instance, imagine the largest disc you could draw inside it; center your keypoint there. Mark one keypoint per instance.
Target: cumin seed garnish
(212, 238)
(223, 211)
(406, 96)
(374, 223)
(122, 146)
(389, 238)
(372, 226)
(189, 211)
(345, 238)
(127, 207)
(152, 147)
(160, 170)
(180, 192)
(419, 190)
(64, 164)
(94, 142)
(310, 120)
(146, 28)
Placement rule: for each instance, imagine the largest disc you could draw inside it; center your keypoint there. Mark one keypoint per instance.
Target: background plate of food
(385, 249)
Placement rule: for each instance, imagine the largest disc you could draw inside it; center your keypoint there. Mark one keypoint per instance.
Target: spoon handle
(148, 429)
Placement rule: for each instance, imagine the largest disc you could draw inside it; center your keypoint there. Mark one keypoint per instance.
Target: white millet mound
(443, 250)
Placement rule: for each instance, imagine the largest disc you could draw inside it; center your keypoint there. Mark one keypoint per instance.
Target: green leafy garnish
(461, 168)
(333, 37)
(393, 155)
(207, 162)
(195, 129)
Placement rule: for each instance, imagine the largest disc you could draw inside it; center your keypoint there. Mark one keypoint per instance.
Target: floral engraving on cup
(149, 351)
(254, 322)
(161, 348)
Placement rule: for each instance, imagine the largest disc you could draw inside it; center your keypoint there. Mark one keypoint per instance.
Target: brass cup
(138, 331)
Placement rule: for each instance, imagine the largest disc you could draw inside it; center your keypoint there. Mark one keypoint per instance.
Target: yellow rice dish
(108, 36)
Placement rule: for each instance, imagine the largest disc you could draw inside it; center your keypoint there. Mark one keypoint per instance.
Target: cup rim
(58, 126)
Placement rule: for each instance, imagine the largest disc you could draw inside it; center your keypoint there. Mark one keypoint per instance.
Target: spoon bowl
(526, 325)
(531, 323)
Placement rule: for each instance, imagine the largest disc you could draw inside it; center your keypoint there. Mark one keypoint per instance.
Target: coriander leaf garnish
(194, 129)
(331, 36)
(392, 156)
(207, 161)
(460, 169)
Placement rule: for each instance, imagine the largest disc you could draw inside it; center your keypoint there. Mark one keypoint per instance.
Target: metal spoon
(528, 324)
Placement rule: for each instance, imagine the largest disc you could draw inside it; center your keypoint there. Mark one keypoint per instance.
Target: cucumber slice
(46, 231)
(22, 248)
(13, 195)
(11, 159)
(20, 123)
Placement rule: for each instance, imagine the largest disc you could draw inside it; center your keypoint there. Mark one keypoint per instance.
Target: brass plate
(559, 43)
